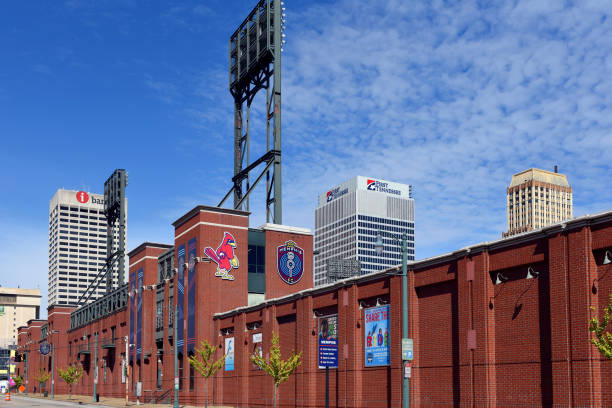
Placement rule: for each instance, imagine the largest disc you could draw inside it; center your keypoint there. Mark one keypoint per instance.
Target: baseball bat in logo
(290, 262)
(82, 197)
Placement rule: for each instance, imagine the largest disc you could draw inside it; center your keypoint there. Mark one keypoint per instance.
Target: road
(25, 402)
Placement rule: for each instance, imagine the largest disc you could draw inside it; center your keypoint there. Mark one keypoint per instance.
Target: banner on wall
(377, 336)
(191, 295)
(132, 307)
(180, 299)
(139, 318)
(229, 354)
(328, 341)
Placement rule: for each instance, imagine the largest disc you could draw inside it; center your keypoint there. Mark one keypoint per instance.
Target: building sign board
(229, 354)
(328, 341)
(377, 336)
(224, 256)
(407, 349)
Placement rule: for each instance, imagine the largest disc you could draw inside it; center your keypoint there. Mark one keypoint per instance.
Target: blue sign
(377, 336)
(229, 354)
(44, 348)
(328, 341)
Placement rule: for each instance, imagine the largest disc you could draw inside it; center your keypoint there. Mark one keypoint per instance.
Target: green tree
(71, 374)
(204, 363)
(278, 369)
(18, 381)
(41, 378)
(603, 338)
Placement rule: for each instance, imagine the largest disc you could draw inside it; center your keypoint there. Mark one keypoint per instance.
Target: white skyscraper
(77, 245)
(349, 217)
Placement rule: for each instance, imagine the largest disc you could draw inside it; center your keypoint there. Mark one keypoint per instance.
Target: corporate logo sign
(382, 187)
(82, 197)
(335, 193)
(290, 262)
(224, 257)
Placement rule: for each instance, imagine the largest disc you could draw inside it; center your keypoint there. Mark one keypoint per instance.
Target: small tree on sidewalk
(204, 363)
(603, 338)
(18, 381)
(71, 374)
(41, 378)
(278, 369)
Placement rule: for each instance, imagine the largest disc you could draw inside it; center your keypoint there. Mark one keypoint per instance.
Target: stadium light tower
(255, 64)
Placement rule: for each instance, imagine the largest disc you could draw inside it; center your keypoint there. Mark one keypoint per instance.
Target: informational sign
(407, 349)
(123, 371)
(229, 354)
(176, 383)
(139, 389)
(407, 369)
(257, 338)
(328, 341)
(377, 336)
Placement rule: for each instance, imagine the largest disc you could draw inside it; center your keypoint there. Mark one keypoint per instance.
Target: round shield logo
(290, 262)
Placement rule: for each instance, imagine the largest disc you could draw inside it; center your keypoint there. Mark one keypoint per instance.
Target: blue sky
(451, 97)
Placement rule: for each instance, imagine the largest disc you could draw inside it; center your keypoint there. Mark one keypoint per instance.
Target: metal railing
(106, 305)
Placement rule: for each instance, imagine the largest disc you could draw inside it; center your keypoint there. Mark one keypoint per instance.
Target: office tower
(17, 306)
(77, 245)
(348, 218)
(537, 198)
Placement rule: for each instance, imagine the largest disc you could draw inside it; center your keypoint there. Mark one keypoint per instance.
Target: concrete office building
(349, 216)
(17, 306)
(77, 245)
(537, 198)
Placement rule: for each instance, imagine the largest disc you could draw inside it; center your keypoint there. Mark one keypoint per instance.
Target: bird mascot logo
(224, 257)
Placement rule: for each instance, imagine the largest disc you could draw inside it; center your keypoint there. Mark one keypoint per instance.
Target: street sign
(176, 383)
(407, 349)
(407, 369)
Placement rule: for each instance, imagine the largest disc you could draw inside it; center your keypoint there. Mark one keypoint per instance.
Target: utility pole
(125, 367)
(95, 369)
(176, 379)
(26, 371)
(52, 370)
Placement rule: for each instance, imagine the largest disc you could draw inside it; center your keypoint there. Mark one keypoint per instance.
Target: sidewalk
(106, 402)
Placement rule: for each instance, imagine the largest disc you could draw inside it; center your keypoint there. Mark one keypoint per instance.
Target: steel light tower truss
(255, 64)
(115, 210)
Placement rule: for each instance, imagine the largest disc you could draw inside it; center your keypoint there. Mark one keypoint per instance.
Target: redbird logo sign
(82, 197)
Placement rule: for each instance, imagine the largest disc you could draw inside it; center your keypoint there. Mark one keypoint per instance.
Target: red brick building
(501, 323)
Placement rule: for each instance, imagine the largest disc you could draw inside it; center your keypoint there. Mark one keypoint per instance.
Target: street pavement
(19, 401)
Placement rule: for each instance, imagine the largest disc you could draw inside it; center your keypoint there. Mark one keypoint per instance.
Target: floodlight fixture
(531, 273)
(501, 278)
(607, 258)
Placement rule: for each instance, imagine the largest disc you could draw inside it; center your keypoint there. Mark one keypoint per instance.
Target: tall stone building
(537, 198)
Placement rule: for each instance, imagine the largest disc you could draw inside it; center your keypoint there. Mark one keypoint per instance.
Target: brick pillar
(485, 386)
(465, 323)
(306, 344)
(354, 344)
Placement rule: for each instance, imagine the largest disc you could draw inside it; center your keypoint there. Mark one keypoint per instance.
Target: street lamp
(378, 247)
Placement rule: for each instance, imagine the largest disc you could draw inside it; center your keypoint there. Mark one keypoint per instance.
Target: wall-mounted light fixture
(362, 305)
(501, 278)
(531, 273)
(380, 302)
(607, 258)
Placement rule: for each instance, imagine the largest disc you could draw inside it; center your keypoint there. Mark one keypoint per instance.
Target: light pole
(26, 370)
(176, 379)
(53, 364)
(379, 249)
(95, 369)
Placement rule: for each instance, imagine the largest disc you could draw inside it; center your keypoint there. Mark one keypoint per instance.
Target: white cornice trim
(208, 223)
(142, 259)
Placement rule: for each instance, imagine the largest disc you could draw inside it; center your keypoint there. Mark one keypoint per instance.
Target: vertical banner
(191, 295)
(377, 336)
(132, 306)
(180, 299)
(328, 341)
(229, 354)
(139, 317)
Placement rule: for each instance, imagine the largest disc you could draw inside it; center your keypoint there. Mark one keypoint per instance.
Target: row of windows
(386, 221)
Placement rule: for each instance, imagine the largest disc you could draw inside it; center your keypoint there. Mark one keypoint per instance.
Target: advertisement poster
(180, 300)
(191, 295)
(139, 316)
(377, 336)
(328, 341)
(229, 354)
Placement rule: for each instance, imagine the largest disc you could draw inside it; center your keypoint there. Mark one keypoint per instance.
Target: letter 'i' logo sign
(82, 197)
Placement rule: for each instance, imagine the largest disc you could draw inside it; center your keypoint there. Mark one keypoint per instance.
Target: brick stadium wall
(524, 342)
